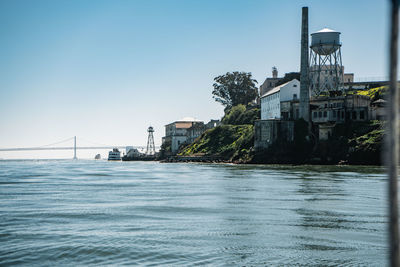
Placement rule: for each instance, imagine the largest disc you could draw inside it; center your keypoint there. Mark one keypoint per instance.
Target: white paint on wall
(271, 101)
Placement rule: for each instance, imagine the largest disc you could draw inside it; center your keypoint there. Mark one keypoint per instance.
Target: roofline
(182, 121)
(268, 93)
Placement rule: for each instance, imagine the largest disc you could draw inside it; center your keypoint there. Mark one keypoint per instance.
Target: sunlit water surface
(145, 213)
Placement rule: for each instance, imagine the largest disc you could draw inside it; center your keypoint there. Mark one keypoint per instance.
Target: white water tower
(326, 70)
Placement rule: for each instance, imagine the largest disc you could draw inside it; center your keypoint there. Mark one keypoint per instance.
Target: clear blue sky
(106, 70)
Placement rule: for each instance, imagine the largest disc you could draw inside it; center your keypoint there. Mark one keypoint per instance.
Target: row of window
(337, 114)
(332, 105)
(269, 107)
(319, 114)
(270, 97)
(289, 115)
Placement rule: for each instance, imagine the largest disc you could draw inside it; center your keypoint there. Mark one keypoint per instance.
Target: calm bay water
(145, 213)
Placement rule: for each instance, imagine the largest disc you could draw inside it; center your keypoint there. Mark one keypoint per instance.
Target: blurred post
(393, 137)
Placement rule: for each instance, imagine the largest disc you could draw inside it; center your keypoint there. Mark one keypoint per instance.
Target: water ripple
(95, 213)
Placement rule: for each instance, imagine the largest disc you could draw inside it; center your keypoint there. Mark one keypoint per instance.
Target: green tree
(234, 88)
(239, 115)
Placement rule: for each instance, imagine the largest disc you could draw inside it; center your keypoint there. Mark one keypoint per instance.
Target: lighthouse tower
(151, 150)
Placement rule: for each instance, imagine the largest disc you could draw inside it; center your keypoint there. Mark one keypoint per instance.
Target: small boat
(98, 156)
(114, 154)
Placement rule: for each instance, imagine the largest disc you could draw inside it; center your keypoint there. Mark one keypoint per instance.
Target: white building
(176, 132)
(271, 101)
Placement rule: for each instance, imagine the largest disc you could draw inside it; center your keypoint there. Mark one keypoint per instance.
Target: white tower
(274, 72)
(151, 150)
(326, 70)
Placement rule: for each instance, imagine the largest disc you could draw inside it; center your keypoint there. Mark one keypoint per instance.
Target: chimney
(304, 67)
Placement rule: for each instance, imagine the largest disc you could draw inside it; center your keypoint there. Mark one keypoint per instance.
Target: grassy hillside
(240, 115)
(354, 143)
(374, 93)
(366, 148)
(230, 142)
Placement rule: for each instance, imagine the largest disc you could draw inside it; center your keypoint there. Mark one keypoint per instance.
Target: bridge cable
(94, 143)
(52, 144)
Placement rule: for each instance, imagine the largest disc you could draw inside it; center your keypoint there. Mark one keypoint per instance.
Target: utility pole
(75, 148)
(392, 137)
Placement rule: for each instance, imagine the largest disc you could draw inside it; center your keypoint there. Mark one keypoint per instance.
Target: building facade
(267, 132)
(378, 110)
(176, 133)
(348, 78)
(326, 112)
(340, 109)
(195, 131)
(271, 101)
(185, 131)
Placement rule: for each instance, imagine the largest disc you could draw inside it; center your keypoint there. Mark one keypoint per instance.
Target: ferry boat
(114, 154)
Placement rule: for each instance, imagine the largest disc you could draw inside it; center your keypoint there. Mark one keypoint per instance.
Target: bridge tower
(75, 148)
(151, 150)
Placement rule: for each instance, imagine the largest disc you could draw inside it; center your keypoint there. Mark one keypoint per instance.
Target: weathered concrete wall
(267, 132)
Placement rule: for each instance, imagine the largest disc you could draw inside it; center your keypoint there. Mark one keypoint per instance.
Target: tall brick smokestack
(304, 76)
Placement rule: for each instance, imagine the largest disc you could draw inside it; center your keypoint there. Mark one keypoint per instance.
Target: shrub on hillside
(225, 141)
(240, 115)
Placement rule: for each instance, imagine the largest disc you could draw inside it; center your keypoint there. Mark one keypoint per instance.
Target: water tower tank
(325, 41)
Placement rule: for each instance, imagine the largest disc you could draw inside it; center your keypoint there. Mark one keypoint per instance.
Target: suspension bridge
(74, 147)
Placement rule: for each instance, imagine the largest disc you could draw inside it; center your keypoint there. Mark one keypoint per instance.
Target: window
(325, 114)
(334, 113)
(361, 114)
(320, 114)
(294, 96)
(314, 114)
(354, 115)
(326, 105)
(294, 85)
